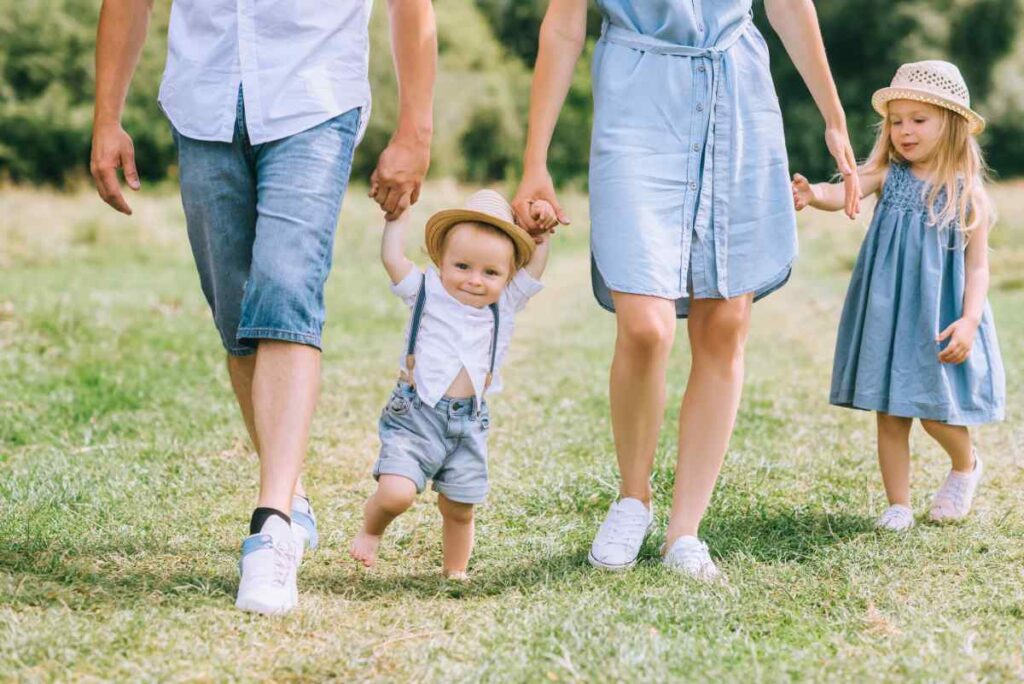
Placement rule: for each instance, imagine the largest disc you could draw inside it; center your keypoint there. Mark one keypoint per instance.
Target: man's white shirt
(299, 63)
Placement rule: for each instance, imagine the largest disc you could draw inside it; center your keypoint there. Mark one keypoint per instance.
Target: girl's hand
(537, 187)
(804, 194)
(838, 141)
(961, 339)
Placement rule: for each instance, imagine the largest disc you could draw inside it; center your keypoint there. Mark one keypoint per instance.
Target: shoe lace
(283, 561)
(622, 529)
(893, 516)
(954, 489)
(694, 556)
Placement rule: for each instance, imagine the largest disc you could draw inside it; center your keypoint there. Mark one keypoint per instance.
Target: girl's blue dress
(908, 286)
(689, 182)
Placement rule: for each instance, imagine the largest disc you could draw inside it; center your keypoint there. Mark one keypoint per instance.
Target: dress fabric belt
(713, 198)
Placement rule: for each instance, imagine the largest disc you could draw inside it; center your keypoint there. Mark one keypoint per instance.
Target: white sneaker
(622, 533)
(954, 498)
(268, 570)
(896, 518)
(690, 556)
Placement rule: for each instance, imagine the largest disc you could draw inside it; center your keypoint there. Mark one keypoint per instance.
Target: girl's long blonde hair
(959, 169)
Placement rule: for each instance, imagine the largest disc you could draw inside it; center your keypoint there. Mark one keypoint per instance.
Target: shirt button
(700, 107)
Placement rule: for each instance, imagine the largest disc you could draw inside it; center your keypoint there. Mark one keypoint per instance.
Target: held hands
(537, 188)
(112, 149)
(543, 214)
(395, 183)
(838, 142)
(804, 194)
(961, 338)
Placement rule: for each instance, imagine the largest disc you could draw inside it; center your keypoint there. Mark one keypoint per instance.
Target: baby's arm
(392, 249)
(832, 196)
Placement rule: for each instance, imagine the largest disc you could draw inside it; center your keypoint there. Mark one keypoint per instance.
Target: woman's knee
(719, 327)
(645, 324)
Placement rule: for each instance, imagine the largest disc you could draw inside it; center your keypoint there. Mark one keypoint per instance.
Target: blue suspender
(414, 330)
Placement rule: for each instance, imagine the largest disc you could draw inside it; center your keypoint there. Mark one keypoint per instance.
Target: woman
(692, 216)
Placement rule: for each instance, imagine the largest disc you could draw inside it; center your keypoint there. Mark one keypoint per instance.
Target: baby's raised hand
(803, 192)
(544, 214)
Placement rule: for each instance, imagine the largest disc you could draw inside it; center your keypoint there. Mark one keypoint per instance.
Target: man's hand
(112, 149)
(395, 183)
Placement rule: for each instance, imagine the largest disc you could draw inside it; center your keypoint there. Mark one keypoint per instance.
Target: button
(700, 27)
(456, 406)
(700, 107)
(696, 147)
(701, 68)
(693, 185)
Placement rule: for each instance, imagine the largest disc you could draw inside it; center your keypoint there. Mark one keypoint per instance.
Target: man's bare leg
(240, 370)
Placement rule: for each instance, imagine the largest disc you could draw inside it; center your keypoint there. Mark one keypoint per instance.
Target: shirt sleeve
(520, 289)
(409, 287)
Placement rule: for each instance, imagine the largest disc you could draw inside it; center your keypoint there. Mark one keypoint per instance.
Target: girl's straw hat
(935, 82)
(485, 206)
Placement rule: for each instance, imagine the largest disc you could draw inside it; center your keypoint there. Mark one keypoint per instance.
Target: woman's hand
(961, 338)
(838, 141)
(804, 194)
(537, 187)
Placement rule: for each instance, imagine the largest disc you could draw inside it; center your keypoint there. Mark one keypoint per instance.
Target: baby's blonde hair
(960, 170)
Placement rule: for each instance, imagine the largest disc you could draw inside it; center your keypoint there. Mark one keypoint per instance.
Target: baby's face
(476, 265)
(914, 129)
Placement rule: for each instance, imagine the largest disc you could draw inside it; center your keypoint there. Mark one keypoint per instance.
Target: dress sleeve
(409, 287)
(520, 289)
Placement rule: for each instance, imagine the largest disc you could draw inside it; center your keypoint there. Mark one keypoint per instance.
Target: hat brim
(880, 101)
(440, 223)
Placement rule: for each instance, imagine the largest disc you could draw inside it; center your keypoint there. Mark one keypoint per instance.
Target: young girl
(917, 339)
(436, 422)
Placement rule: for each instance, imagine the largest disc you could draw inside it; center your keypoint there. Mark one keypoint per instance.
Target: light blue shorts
(446, 444)
(261, 221)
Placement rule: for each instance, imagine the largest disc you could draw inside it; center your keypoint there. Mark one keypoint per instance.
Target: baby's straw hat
(485, 206)
(935, 82)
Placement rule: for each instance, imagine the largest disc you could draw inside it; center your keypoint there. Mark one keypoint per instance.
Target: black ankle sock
(260, 515)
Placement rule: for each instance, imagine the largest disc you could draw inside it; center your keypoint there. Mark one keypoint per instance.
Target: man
(266, 107)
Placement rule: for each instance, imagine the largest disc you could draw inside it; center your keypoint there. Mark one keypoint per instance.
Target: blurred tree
(486, 48)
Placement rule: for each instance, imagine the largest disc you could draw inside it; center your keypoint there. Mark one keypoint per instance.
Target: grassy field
(126, 485)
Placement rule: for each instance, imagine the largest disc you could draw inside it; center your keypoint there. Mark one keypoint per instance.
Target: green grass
(126, 484)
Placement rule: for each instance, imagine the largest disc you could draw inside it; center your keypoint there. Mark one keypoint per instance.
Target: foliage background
(487, 48)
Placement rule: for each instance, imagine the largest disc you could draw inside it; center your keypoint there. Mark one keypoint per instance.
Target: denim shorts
(261, 221)
(446, 444)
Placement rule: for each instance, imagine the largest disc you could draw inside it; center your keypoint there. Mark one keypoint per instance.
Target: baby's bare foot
(364, 548)
(456, 575)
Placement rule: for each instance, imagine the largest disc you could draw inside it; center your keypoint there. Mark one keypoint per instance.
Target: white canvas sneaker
(268, 570)
(621, 535)
(690, 556)
(955, 496)
(896, 518)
